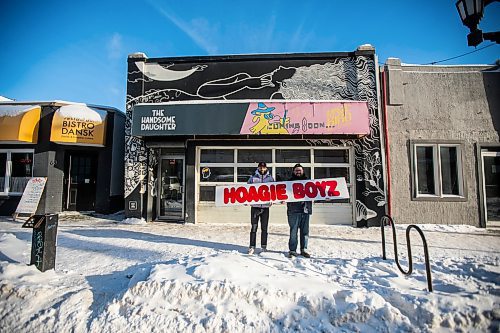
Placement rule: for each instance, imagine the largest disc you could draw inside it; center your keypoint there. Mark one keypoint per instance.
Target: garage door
(226, 165)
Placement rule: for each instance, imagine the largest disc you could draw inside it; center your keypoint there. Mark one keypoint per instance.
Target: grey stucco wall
(438, 104)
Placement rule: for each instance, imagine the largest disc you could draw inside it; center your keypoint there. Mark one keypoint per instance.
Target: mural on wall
(306, 118)
(154, 71)
(152, 168)
(348, 79)
(262, 120)
(343, 78)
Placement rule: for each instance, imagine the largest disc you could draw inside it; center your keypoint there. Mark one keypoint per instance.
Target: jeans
(298, 222)
(263, 214)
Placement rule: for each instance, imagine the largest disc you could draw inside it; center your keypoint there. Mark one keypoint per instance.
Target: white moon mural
(160, 73)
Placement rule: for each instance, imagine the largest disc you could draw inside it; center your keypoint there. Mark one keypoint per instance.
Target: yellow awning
(19, 123)
(79, 124)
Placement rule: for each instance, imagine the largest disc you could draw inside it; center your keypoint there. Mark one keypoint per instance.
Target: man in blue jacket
(261, 211)
(298, 214)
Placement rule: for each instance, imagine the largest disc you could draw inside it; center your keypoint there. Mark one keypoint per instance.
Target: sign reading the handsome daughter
(251, 118)
(290, 191)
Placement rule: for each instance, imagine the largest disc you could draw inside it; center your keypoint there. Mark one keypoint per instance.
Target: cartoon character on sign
(267, 122)
(205, 173)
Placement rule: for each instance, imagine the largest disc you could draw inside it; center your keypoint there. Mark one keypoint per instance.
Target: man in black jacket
(298, 214)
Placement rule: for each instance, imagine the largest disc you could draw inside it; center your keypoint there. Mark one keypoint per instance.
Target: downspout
(386, 141)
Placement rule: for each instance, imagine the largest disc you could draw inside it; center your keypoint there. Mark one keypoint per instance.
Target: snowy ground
(112, 276)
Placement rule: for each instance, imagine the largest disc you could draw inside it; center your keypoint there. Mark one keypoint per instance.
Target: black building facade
(77, 147)
(180, 144)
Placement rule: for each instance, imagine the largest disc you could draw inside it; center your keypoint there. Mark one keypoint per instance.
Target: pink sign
(307, 118)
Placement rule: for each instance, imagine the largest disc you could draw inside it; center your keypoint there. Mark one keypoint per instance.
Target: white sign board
(31, 196)
(290, 191)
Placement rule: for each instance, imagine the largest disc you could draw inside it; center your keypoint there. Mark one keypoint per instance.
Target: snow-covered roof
(15, 110)
(81, 112)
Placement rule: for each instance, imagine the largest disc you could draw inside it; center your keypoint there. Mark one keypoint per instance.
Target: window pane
(207, 193)
(331, 172)
(425, 170)
(255, 155)
(22, 171)
(449, 170)
(217, 156)
(284, 174)
(331, 156)
(245, 172)
(293, 156)
(3, 169)
(217, 174)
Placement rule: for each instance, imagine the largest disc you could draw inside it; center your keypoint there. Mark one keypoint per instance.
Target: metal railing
(388, 219)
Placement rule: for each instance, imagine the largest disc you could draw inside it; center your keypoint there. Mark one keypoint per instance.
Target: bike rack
(408, 244)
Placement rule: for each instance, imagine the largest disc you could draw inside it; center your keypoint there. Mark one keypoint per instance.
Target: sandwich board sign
(31, 196)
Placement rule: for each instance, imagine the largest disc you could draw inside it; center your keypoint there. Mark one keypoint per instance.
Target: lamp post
(471, 13)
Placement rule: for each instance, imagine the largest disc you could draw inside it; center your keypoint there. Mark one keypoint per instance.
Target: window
(437, 171)
(255, 155)
(16, 169)
(293, 156)
(217, 156)
(221, 166)
(285, 173)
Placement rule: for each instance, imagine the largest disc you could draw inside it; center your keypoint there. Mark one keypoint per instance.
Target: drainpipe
(386, 141)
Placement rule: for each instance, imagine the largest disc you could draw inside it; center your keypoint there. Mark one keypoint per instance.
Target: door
(171, 188)
(491, 187)
(81, 181)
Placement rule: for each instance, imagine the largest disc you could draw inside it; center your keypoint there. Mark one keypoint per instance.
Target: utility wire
(437, 62)
(476, 50)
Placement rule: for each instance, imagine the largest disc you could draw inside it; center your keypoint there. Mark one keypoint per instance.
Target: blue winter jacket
(258, 178)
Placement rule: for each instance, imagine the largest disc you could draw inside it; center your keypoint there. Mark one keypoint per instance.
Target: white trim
(490, 154)
(437, 165)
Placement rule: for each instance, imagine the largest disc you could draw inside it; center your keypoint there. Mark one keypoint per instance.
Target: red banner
(290, 191)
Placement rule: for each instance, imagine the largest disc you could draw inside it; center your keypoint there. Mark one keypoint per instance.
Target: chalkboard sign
(31, 196)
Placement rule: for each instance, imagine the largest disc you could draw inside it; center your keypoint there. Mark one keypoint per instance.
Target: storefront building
(77, 147)
(443, 125)
(193, 123)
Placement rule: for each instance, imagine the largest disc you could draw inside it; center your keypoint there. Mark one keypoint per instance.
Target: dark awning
(254, 118)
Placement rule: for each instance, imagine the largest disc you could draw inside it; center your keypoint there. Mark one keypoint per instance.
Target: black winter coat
(299, 206)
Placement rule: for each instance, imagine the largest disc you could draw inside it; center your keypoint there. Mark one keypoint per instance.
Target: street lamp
(471, 13)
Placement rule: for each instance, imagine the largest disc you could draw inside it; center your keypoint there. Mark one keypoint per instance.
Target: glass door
(491, 187)
(171, 188)
(81, 181)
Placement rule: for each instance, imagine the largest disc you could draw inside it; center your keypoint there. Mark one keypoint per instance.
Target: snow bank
(112, 277)
(132, 220)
